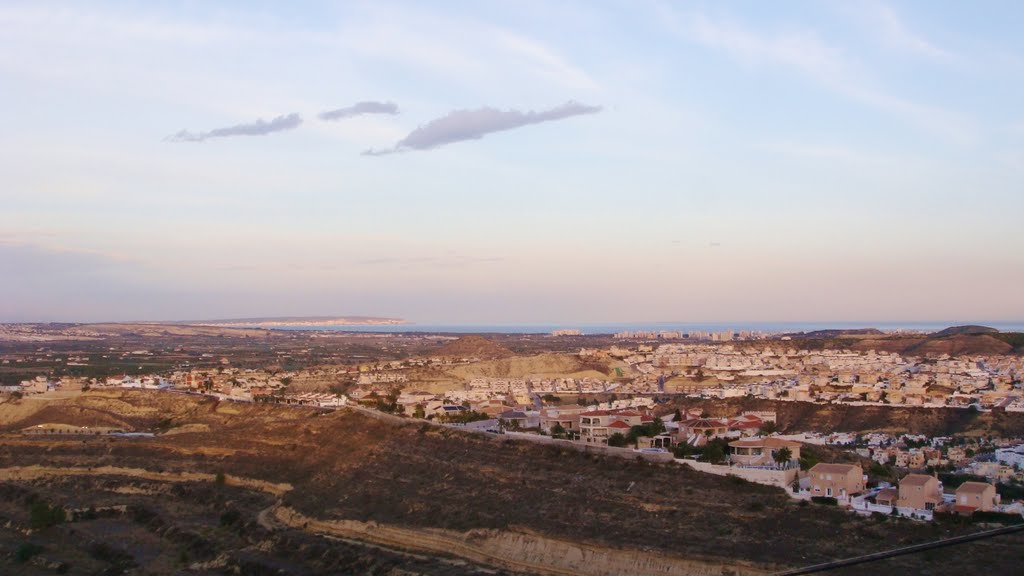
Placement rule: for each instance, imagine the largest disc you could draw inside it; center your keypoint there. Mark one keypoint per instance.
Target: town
(642, 406)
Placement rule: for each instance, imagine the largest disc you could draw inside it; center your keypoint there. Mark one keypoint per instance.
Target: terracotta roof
(705, 423)
(629, 413)
(745, 424)
(973, 487)
(915, 479)
(619, 424)
(825, 468)
(887, 494)
(596, 413)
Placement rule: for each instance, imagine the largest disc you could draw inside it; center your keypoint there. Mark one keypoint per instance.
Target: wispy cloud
(258, 128)
(900, 35)
(358, 109)
(808, 54)
(461, 125)
(447, 261)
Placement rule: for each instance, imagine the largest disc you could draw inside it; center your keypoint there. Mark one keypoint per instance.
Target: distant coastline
(299, 323)
(612, 328)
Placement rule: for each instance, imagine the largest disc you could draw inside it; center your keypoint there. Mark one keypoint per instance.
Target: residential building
(761, 451)
(920, 492)
(975, 496)
(839, 481)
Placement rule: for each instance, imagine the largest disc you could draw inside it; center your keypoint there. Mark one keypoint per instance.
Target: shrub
(42, 515)
(230, 517)
(617, 440)
(997, 517)
(826, 500)
(219, 479)
(26, 551)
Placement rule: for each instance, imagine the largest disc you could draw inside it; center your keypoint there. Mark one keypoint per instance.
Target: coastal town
(640, 408)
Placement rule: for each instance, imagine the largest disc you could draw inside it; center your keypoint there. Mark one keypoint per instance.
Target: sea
(684, 327)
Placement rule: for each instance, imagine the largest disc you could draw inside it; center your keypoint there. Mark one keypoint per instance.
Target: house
(887, 497)
(708, 427)
(920, 492)
(569, 420)
(975, 496)
(956, 454)
(596, 425)
(747, 424)
(761, 451)
(839, 481)
(517, 419)
(449, 410)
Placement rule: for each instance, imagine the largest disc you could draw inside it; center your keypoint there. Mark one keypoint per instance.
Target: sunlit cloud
(462, 125)
(358, 109)
(258, 128)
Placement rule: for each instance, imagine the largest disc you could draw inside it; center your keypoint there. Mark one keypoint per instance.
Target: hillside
(807, 416)
(473, 347)
(931, 345)
(547, 365)
(412, 483)
(964, 330)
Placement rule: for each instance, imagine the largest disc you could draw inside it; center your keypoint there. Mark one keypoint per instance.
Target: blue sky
(561, 162)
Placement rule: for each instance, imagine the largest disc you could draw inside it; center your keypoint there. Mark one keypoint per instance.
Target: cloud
(807, 54)
(461, 125)
(257, 128)
(359, 109)
(900, 35)
(446, 261)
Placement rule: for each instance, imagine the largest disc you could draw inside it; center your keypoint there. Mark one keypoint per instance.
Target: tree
(558, 431)
(782, 456)
(714, 452)
(677, 416)
(419, 412)
(617, 440)
(768, 428)
(682, 450)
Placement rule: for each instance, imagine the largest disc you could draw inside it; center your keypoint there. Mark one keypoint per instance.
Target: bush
(219, 479)
(617, 440)
(230, 517)
(26, 551)
(42, 515)
(997, 518)
(826, 500)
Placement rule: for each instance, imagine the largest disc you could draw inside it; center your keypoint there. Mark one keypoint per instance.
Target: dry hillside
(347, 467)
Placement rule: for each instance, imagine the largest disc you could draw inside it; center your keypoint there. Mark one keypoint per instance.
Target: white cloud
(359, 109)
(898, 34)
(461, 125)
(258, 128)
(811, 56)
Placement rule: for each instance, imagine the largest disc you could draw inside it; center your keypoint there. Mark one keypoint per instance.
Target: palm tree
(782, 456)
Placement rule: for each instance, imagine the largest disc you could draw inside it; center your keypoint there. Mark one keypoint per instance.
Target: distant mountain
(835, 333)
(301, 321)
(964, 331)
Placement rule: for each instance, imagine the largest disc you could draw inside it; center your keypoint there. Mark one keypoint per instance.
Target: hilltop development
(229, 452)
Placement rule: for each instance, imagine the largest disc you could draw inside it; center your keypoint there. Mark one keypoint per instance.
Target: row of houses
(916, 494)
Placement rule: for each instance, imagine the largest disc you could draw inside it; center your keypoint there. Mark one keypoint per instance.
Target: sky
(512, 161)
